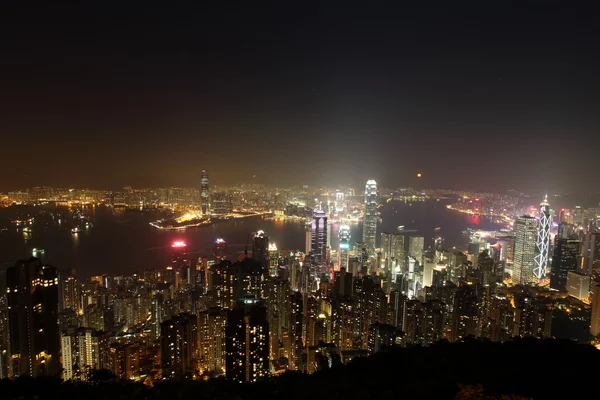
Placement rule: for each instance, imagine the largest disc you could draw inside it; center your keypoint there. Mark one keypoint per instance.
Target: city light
(178, 244)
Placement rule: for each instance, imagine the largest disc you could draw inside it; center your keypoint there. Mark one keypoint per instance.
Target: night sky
(479, 95)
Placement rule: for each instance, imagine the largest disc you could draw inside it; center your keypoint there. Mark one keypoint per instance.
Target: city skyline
(244, 200)
(134, 102)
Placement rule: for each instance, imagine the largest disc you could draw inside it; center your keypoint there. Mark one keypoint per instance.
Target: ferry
(75, 230)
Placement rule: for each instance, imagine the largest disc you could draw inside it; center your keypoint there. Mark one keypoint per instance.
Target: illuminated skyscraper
(344, 239)
(247, 346)
(318, 240)
(595, 321)
(542, 241)
(392, 257)
(32, 294)
(416, 244)
(590, 250)
(179, 345)
(564, 260)
(204, 193)
(370, 217)
(220, 249)
(260, 248)
(525, 245)
(339, 202)
(70, 291)
(273, 259)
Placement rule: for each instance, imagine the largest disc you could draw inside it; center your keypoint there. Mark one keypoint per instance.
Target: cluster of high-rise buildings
(272, 310)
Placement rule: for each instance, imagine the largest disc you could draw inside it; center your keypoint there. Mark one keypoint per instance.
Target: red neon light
(178, 244)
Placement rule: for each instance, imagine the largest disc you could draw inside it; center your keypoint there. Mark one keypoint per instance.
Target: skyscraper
(416, 244)
(179, 344)
(370, 217)
(542, 241)
(318, 241)
(247, 346)
(590, 252)
(204, 193)
(344, 249)
(392, 257)
(564, 259)
(32, 294)
(260, 248)
(595, 321)
(70, 291)
(525, 245)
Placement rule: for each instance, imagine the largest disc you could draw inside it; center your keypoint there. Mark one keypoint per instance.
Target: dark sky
(479, 95)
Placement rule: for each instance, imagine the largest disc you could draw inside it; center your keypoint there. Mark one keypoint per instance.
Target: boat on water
(75, 230)
(36, 251)
(27, 229)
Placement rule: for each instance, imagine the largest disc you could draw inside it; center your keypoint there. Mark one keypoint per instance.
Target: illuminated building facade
(247, 346)
(564, 260)
(578, 285)
(344, 249)
(32, 298)
(260, 248)
(220, 251)
(393, 258)
(595, 321)
(211, 334)
(590, 252)
(318, 242)
(179, 343)
(416, 244)
(542, 242)
(525, 249)
(221, 203)
(370, 218)
(70, 292)
(273, 259)
(80, 353)
(204, 193)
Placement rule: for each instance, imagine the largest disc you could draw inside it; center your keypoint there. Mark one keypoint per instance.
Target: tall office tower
(525, 245)
(260, 248)
(247, 332)
(220, 251)
(178, 347)
(590, 252)
(211, 335)
(595, 322)
(307, 241)
(32, 297)
(542, 240)
(416, 244)
(393, 257)
(221, 203)
(339, 202)
(204, 193)
(273, 259)
(318, 242)
(344, 239)
(370, 217)
(564, 259)
(70, 292)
